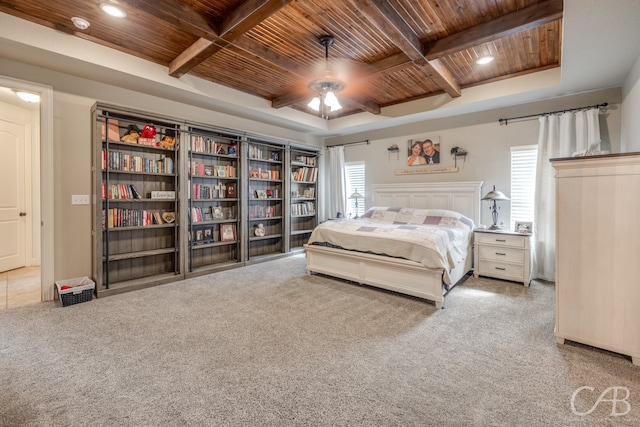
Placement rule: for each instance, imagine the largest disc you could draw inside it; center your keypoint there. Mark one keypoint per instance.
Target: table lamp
(495, 196)
(356, 196)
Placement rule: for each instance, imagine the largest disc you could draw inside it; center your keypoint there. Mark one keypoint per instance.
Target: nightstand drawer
(500, 239)
(501, 254)
(490, 268)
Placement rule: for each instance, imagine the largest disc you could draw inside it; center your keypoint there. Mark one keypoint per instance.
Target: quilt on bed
(436, 238)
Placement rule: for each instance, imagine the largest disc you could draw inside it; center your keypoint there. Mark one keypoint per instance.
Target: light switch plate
(82, 199)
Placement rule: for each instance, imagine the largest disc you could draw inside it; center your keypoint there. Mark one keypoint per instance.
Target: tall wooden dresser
(598, 252)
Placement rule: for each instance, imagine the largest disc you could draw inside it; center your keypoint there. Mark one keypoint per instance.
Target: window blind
(354, 172)
(523, 182)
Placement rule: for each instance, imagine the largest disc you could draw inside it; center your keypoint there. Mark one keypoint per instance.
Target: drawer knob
(500, 268)
(500, 240)
(500, 253)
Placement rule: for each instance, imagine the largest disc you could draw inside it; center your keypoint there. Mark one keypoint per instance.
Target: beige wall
(487, 142)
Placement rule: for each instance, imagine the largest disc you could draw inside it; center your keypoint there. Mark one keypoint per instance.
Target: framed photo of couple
(424, 151)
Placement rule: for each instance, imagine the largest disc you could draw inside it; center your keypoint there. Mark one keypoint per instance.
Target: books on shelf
(262, 212)
(196, 215)
(306, 208)
(118, 218)
(120, 191)
(305, 174)
(201, 144)
(199, 191)
(262, 173)
(125, 162)
(307, 160)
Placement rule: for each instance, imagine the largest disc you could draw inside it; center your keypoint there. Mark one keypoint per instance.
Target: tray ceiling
(386, 52)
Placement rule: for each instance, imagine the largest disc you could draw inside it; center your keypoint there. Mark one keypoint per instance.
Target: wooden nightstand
(502, 254)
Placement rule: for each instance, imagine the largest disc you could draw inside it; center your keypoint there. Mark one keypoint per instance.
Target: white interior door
(12, 196)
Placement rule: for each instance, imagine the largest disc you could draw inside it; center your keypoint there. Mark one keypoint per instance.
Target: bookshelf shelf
(298, 232)
(139, 254)
(141, 227)
(267, 237)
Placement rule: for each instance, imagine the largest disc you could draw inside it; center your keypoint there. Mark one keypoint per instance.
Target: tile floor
(19, 287)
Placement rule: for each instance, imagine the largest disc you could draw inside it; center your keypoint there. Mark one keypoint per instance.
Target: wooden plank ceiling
(386, 52)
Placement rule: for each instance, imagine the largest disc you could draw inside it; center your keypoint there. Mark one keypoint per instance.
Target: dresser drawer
(497, 269)
(500, 239)
(501, 254)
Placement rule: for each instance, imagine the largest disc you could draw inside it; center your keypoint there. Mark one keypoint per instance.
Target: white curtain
(559, 136)
(337, 181)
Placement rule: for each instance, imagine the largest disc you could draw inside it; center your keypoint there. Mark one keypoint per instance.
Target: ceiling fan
(327, 85)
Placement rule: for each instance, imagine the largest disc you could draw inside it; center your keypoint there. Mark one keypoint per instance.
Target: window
(523, 182)
(354, 172)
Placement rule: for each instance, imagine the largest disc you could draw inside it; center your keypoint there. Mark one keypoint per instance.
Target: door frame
(46, 180)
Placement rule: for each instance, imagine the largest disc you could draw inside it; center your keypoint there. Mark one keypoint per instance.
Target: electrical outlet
(82, 199)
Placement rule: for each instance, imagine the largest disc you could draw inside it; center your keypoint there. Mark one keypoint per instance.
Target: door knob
(23, 214)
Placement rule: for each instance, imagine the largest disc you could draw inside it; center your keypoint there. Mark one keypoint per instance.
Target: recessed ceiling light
(81, 23)
(27, 96)
(484, 60)
(113, 10)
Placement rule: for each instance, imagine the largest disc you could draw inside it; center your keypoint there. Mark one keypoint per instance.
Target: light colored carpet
(269, 345)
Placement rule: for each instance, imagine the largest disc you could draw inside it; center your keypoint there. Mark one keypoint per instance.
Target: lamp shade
(315, 103)
(356, 195)
(495, 195)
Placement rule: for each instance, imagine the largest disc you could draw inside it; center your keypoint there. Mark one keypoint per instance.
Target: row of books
(120, 161)
(258, 153)
(117, 217)
(261, 173)
(262, 212)
(305, 208)
(201, 144)
(120, 191)
(223, 171)
(311, 161)
(305, 174)
(199, 191)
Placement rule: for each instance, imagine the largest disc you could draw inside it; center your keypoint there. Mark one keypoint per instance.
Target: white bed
(402, 275)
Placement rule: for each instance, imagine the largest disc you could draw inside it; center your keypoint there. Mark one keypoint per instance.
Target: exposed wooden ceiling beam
(384, 17)
(248, 15)
(290, 99)
(513, 23)
(362, 103)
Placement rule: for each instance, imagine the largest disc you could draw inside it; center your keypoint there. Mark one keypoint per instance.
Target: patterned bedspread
(435, 238)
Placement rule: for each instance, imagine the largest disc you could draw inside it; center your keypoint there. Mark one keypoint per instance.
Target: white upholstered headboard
(463, 197)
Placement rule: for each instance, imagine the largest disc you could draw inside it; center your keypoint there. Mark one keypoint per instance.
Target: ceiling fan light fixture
(314, 104)
(332, 102)
(485, 60)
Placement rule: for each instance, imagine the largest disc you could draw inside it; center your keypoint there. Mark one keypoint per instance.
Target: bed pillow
(397, 215)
